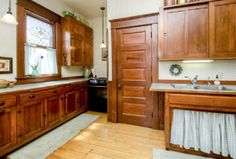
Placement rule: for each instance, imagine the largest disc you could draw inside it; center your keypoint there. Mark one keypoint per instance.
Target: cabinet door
(175, 34)
(7, 128)
(83, 99)
(52, 111)
(197, 32)
(31, 119)
(77, 49)
(71, 103)
(186, 33)
(223, 29)
(88, 54)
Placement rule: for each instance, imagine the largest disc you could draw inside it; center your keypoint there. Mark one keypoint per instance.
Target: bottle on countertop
(217, 81)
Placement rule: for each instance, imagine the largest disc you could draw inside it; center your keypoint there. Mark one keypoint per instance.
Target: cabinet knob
(2, 102)
(19, 111)
(120, 86)
(31, 96)
(2, 112)
(20, 134)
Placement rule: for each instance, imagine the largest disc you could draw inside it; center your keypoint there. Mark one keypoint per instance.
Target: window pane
(38, 32)
(40, 61)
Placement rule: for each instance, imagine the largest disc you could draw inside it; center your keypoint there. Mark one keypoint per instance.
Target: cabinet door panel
(7, 128)
(77, 49)
(198, 32)
(31, 119)
(83, 99)
(175, 34)
(53, 111)
(71, 103)
(223, 29)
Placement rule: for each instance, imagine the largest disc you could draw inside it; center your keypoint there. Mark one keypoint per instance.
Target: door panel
(223, 29)
(134, 75)
(53, 111)
(7, 128)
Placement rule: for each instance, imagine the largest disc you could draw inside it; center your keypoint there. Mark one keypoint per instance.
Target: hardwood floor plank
(105, 140)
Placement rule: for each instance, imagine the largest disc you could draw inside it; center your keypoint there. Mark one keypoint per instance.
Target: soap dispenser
(217, 81)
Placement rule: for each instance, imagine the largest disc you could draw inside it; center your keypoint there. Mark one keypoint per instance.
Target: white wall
(125, 8)
(8, 36)
(100, 67)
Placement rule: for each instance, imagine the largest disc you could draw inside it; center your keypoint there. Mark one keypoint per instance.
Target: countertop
(25, 87)
(166, 87)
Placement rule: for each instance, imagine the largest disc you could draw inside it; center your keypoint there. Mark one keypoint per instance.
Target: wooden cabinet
(53, 109)
(7, 128)
(223, 29)
(31, 119)
(77, 43)
(83, 99)
(185, 33)
(71, 103)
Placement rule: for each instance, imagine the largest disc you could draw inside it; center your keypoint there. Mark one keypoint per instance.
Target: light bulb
(103, 46)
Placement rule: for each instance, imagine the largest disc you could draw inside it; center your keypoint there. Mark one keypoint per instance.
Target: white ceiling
(88, 8)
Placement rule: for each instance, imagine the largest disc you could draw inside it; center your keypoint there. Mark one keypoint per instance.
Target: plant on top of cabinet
(77, 43)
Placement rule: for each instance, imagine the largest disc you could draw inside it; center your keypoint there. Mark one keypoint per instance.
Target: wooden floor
(105, 140)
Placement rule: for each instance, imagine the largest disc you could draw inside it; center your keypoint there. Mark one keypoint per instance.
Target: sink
(202, 87)
(184, 86)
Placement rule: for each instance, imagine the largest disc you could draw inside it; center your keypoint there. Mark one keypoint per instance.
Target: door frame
(135, 21)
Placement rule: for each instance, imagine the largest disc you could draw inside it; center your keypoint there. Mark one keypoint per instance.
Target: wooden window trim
(28, 7)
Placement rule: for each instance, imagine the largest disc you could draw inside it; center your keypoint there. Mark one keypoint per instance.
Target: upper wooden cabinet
(198, 31)
(223, 29)
(185, 33)
(77, 43)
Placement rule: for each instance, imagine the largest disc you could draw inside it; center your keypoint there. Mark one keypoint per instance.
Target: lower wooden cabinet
(36, 112)
(83, 99)
(7, 128)
(71, 103)
(53, 109)
(31, 119)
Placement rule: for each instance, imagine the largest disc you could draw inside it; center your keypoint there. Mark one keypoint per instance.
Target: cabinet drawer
(28, 97)
(203, 100)
(7, 101)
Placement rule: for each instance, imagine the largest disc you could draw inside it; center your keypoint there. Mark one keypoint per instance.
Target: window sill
(32, 79)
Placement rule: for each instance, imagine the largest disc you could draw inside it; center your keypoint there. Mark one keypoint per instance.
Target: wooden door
(31, 119)
(7, 128)
(134, 75)
(52, 111)
(71, 103)
(223, 29)
(77, 49)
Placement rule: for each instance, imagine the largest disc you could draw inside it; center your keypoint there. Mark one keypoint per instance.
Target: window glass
(40, 56)
(39, 32)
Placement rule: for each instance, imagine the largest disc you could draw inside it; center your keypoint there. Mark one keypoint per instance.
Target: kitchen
(169, 62)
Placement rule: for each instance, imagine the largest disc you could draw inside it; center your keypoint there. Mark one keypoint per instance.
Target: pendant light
(8, 17)
(103, 45)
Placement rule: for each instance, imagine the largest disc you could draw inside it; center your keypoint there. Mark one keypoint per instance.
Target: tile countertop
(166, 87)
(25, 87)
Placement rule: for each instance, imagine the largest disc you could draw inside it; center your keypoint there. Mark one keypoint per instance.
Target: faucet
(194, 81)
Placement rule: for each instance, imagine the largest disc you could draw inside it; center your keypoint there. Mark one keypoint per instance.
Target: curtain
(45, 58)
(205, 131)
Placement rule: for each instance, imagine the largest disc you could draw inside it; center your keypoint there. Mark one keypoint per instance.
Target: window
(38, 43)
(40, 54)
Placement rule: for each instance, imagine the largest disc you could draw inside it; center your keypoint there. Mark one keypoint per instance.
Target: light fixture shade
(103, 46)
(9, 19)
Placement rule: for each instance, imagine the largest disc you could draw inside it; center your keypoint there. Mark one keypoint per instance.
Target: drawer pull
(2, 112)
(2, 102)
(31, 96)
(55, 91)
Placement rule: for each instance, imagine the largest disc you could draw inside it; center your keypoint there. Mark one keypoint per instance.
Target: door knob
(120, 86)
